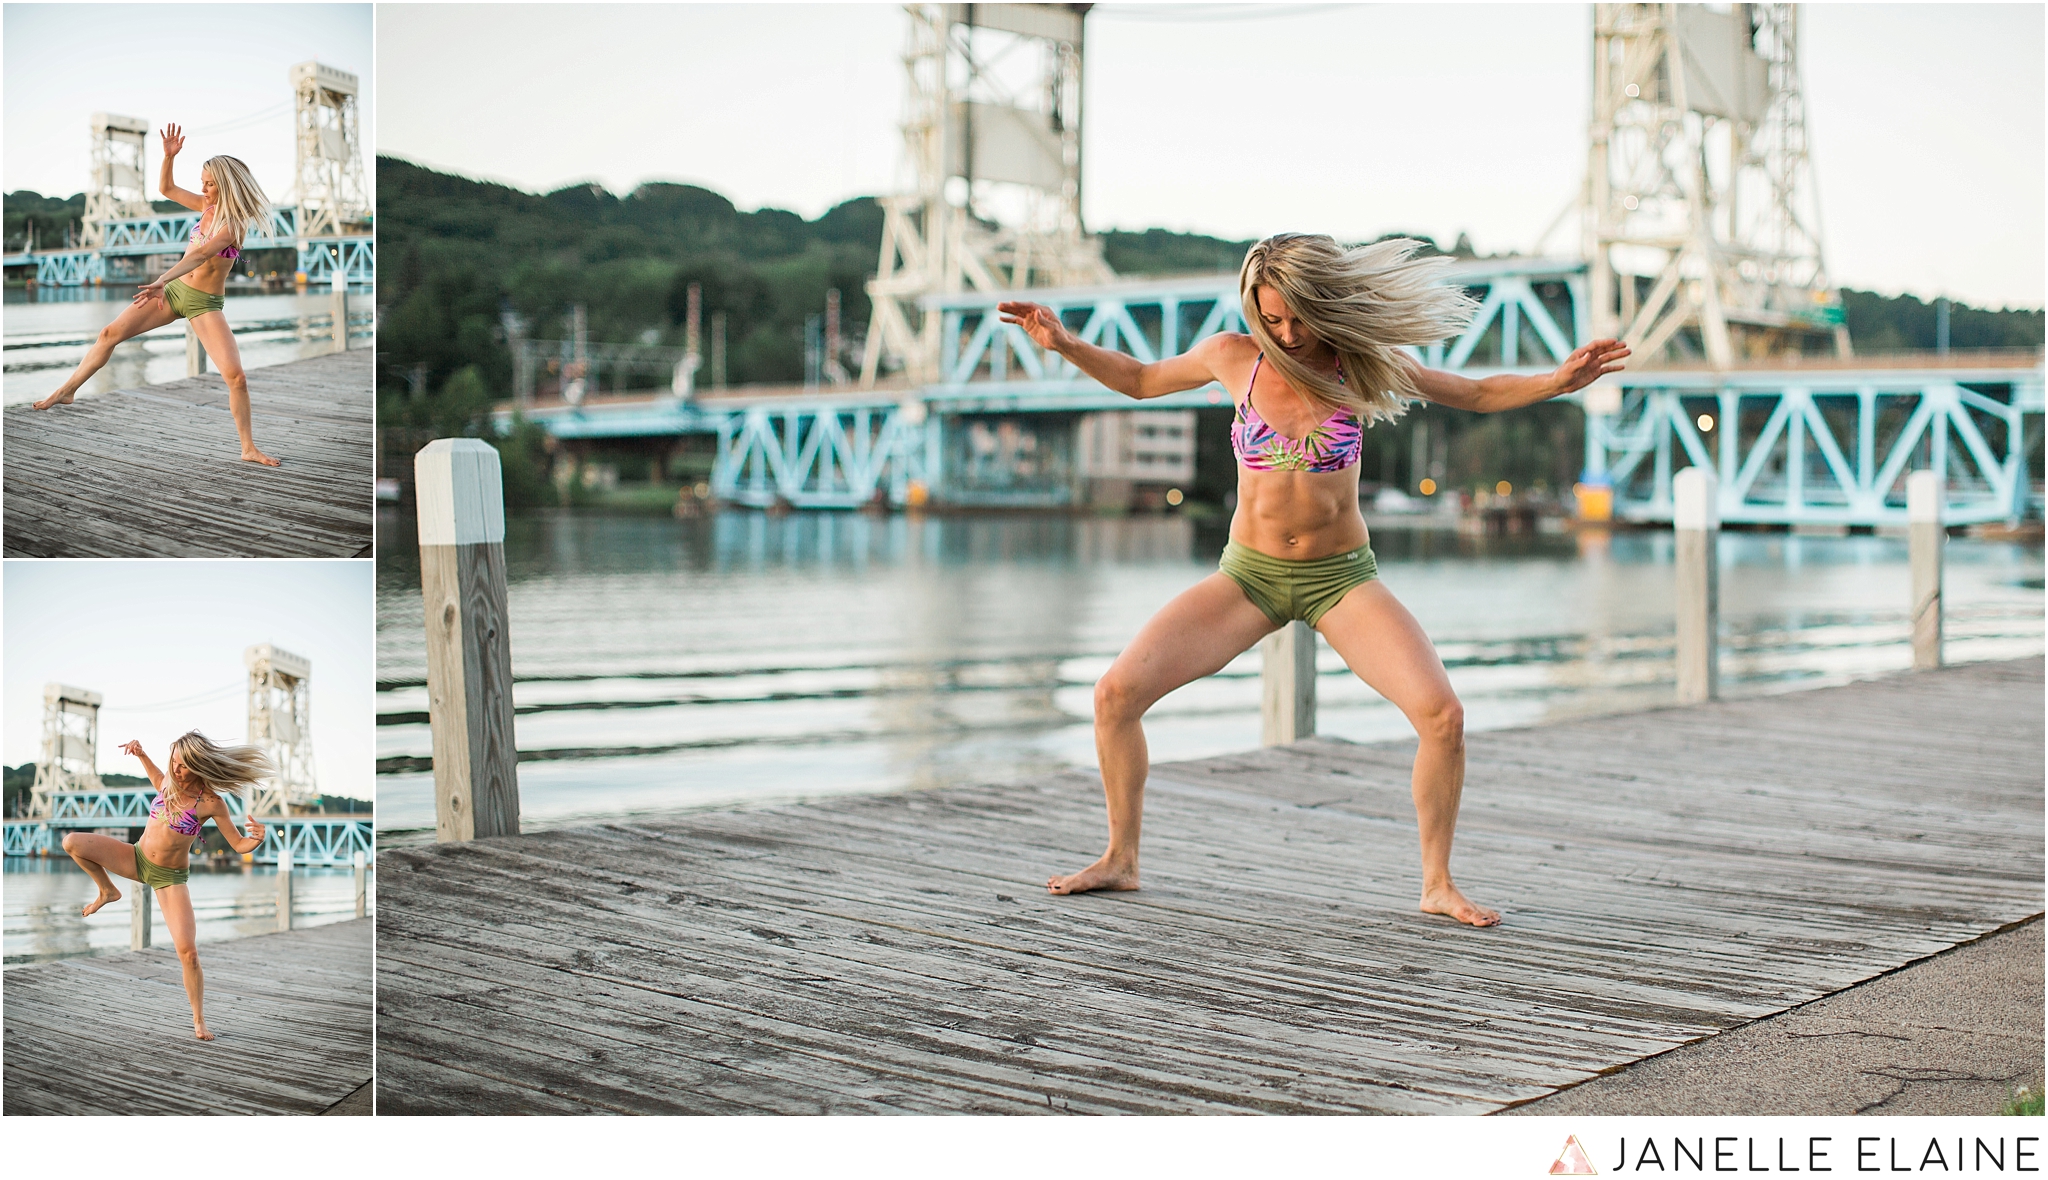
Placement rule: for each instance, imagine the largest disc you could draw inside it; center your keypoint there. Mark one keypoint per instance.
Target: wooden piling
(140, 899)
(284, 880)
(1696, 523)
(195, 353)
(339, 302)
(1926, 536)
(362, 885)
(1287, 706)
(469, 652)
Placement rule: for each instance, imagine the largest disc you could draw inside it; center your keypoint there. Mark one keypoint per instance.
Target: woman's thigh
(138, 318)
(1381, 642)
(115, 856)
(1205, 627)
(176, 903)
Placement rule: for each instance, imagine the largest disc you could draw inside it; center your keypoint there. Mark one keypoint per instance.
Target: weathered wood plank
(1665, 876)
(156, 472)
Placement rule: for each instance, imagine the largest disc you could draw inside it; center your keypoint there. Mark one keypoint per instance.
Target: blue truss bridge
(352, 257)
(313, 839)
(1794, 441)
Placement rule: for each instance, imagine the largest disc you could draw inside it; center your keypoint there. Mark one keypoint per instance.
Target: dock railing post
(339, 300)
(469, 650)
(195, 355)
(141, 898)
(1925, 536)
(1696, 524)
(1287, 709)
(362, 884)
(284, 878)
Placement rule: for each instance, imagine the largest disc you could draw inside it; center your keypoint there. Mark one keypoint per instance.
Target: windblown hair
(1364, 303)
(239, 203)
(222, 770)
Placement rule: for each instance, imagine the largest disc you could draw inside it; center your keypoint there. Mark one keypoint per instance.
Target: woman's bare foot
(199, 1030)
(93, 907)
(1105, 875)
(59, 398)
(252, 455)
(1446, 900)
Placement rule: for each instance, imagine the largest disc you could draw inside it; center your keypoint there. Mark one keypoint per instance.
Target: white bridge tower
(119, 145)
(71, 742)
(280, 724)
(1698, 183)
(992, 142)
(332, 194)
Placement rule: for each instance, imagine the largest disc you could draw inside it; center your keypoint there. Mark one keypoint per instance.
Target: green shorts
(187, 302)
(155, 875)
(1304, 590)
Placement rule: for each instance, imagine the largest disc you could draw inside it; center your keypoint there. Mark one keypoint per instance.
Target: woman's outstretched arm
(1121, 372)
(174, 142)
(1490, 395)
(226, 823)
(156, 777)
(219, 240)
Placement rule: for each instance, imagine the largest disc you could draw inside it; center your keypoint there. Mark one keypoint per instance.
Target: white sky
(221, 71)
(1926, 121)
(144, 633)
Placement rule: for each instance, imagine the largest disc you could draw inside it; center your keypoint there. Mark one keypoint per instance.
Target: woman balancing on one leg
(1322, 362)
(230, 205)
(186, 798)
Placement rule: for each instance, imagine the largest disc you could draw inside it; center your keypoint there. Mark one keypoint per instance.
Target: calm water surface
(48, 331)
(665, 665)
(42, 897)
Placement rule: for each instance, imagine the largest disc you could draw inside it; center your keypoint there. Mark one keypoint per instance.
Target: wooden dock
(112, 1034)
(1664, 875)
(157, 471)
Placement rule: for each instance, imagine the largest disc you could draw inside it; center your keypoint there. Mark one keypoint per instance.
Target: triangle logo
(1572, 1161)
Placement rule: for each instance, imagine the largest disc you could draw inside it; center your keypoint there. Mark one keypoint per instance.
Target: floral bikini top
(230, 252)
(1333, 445)
(186, 823)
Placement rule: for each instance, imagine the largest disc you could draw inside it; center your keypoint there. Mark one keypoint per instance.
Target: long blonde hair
(221, 770)
(239, 202)
(1364, 303)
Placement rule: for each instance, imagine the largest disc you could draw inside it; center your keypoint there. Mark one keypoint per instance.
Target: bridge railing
(168, 233)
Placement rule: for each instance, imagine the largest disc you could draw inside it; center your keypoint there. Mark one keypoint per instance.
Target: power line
(183, 702)
(243, 121)
(1208, 13)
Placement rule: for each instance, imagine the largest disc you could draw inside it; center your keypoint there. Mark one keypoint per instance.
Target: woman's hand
(174, 140)
(1038, 321)
(1588, 363)
(256, 830)
(150, 292)
(133, 749)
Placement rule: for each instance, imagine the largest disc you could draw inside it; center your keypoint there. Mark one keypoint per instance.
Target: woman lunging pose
(1322, 362)
(186, 798)
(230, 206)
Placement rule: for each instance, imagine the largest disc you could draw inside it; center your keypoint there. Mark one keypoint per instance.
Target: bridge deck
(157, 472)
(112, 1034)
(1665, 876)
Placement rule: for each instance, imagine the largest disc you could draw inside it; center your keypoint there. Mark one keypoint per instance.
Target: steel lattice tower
(119, 145)
(1698, 180)
(327, 127)
(992, 143)
(281, 725)
(71, 742)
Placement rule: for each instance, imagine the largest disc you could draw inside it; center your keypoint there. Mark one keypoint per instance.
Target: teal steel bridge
(1812, 445)
(314, 839)
(322, 257)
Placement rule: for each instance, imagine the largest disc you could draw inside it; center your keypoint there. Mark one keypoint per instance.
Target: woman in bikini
(1322, 362)
(230, 206)
(186, 798)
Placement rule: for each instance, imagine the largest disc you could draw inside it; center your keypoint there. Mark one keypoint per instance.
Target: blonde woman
(186, 798)
(230, 206)
(1323, 362)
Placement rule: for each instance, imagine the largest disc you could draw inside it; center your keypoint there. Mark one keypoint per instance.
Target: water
(667, 664)
(47, 332)
(42, 897)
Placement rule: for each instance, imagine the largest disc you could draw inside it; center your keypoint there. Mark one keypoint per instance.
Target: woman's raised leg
(1385, 646)
(1208, 625)
(219, 341)
(99, 856)
(136, 319)
(176, 903)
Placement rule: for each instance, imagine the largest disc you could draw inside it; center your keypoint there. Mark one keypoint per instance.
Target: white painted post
(339, 300)
(195, 354)
(140, 897)
(362, 885)
(1287, 709)
(469, 647)
(284, 878)
(1696, 524)
(1924, 544)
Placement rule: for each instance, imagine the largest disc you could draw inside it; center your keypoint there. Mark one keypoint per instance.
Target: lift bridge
(322, 257)
(1797, 443)
(314, 839)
